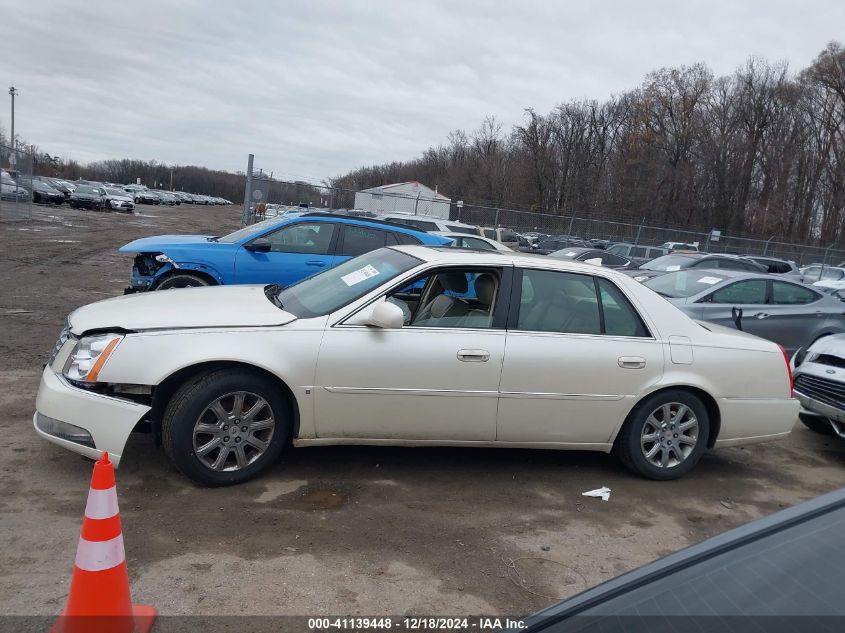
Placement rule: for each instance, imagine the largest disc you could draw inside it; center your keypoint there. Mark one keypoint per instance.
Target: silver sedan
(788, 313)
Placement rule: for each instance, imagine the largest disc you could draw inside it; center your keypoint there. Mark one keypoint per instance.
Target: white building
(404, 197)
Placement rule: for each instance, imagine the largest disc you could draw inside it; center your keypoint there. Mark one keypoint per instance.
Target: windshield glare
(248, 231)
(668, 263)
(328, 291)
(683, 283)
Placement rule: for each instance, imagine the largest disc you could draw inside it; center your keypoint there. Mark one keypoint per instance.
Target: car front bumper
(835, 416)
(107, 420)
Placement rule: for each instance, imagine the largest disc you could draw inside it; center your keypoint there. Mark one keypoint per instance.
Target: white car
(412, 346)
(475, 242)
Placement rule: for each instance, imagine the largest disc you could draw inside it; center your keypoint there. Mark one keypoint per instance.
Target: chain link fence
(289, 195)
(15, 184)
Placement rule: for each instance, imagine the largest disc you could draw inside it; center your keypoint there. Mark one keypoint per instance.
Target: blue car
(278, 251)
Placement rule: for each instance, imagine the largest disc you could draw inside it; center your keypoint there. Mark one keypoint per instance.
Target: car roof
(469, 257)
(370, 222)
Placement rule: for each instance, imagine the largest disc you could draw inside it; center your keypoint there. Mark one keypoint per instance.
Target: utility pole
(171, 179)
(245, 216)
(13, 91)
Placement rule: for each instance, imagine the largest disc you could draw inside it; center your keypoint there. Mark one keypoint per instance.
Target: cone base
(143, 617)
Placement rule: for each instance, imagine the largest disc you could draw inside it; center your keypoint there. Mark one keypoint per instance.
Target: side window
(638, 251)
(619, 249)
(313, 238)
(358, 240)
(656, 252)
(404, 238)
(784, 293)
(609, 259)
(472, 242)
(463, 298)
(490, 233)
(554, 301)
(747, 292)
(422, 225)
(620, 317)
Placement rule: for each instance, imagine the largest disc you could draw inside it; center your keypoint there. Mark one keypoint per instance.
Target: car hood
(217, 306)
(157, 243)
(834, 345)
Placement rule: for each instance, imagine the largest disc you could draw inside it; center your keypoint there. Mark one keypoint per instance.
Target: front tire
(665, 435)
(226, 426)
(816, 423)
(182, 281)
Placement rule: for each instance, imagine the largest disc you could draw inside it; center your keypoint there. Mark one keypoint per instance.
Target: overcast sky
(315, 88)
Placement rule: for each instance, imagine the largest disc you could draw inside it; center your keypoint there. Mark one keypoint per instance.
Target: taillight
(788, 371)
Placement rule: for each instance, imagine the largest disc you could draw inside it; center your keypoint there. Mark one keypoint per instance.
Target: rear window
(455, 228)
(669, 263)
(684, 283)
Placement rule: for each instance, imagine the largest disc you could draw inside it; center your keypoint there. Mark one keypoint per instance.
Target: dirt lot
(345, 530)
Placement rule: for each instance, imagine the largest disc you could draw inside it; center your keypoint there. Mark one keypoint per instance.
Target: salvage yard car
(820, 385)
(277, 251)
(786, 312)
(412, 346)
(680, 261)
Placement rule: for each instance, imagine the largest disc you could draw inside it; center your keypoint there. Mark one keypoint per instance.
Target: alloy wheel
(233, 431)
(669, 435)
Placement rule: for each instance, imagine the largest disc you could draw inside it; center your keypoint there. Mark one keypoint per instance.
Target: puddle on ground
(324, 499)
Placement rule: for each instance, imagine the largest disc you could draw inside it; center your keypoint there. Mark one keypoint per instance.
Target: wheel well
(190, 273)
(707, 400)
(165, 390)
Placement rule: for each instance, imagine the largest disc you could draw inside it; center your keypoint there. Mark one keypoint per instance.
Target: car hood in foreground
(157, 243)
(217, 306)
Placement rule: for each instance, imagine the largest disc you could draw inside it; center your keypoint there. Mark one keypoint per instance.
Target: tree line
(759, 152)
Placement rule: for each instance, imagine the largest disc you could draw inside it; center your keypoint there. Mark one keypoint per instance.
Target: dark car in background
(44, 193)
(552, 244)
(783, 572)
(637, 253)
(681, 261)
(88, 197)
(593, 256)
(771, 307)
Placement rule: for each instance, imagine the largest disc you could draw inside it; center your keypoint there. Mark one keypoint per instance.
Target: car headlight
(90, 355)
(63, 337)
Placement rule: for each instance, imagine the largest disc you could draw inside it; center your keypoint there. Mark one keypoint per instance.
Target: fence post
(569, 232)
(247, 191)
(496, 222)
(639, 230)
(766, 248)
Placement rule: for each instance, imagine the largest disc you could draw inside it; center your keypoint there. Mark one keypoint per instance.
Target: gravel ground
(345, 530)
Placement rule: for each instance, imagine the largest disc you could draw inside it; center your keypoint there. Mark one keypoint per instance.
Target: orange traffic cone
(99, 599)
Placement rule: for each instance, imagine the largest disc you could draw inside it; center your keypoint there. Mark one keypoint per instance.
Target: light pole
(13, 92)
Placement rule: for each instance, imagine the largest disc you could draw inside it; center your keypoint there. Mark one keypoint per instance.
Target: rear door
(747, 295)
(297, 250)
(577, 358)
(793, 315)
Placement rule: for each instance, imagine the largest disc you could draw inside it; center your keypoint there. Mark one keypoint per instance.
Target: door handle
(761, 315)
(473, 355)
(631, 362)
(315, 262)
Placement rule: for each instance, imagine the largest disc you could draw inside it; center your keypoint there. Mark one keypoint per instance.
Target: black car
(680, 261)
(593, 256)
(45, 193)
(145, 196)
(784, 572)
(552, 244)
(87, 197)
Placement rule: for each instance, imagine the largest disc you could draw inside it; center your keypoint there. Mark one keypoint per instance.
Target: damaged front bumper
(146, 269)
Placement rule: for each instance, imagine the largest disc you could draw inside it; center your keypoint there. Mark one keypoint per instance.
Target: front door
(436, 378)
(297, 251)
(577, 359)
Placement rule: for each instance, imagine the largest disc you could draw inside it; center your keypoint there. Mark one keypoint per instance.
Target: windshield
(684, 283)
(115, 192)
(668, 263)
(327, 291)
(85, 189)
(248, 231)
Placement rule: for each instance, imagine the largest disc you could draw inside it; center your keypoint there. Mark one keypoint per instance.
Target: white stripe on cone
(100, 555)
(102, 504)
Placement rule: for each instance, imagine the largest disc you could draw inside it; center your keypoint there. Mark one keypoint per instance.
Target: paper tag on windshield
(569, 254)
(671, 269)
(359, 275)
(709, 280)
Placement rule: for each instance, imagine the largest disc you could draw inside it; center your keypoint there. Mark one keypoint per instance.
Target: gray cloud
(317, 88)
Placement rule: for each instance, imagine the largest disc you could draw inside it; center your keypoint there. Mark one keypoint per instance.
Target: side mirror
(261, 245)
(384, 314)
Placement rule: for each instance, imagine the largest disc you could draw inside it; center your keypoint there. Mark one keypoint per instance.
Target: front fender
(167, 269)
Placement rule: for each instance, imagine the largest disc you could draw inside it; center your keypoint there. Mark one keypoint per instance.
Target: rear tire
(206, 410)
(665, 435)
(816, 423)
(182, 281)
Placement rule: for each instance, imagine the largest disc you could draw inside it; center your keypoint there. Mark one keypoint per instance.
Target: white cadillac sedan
(412, 346)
